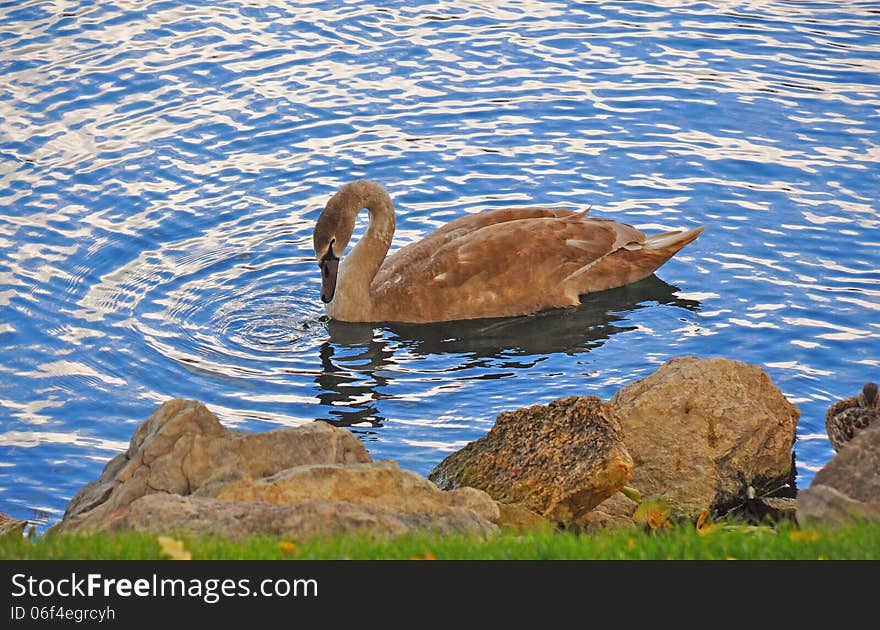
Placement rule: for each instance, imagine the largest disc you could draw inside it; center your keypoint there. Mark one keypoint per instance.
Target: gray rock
(824, 505)
(847, 488)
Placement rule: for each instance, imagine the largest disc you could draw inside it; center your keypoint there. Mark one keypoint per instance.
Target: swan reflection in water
(360, 360)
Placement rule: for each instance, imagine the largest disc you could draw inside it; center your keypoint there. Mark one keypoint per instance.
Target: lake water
(162, 165)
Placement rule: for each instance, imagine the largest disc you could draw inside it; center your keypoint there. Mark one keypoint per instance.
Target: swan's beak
(329, 268)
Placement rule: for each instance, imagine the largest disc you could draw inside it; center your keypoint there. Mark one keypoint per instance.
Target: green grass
(783, 541)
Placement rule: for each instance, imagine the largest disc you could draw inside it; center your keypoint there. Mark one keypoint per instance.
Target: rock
(468, 498)
(615, 512)
(515, 518)
(185, 473)
(824, 505)
(11, 526)
(701, 431)
(772, 509)
(847, 488)
(382, 485)
(182, 446)
(559, 460)
(203, 516)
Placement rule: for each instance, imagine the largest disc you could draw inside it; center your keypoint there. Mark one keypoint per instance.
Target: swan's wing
(531, 252)
(516, 257)
(461, 228)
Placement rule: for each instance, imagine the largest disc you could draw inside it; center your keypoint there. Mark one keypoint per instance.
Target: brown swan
(497, 263)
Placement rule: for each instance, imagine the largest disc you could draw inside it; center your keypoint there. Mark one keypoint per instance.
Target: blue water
(162, 165)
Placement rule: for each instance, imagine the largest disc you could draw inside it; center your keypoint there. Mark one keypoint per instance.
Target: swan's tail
(671, 241)
(630, 263)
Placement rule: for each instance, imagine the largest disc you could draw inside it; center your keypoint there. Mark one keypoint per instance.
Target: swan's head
(330, 238)
(336, 224)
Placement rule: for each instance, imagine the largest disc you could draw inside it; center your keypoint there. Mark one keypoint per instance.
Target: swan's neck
(358, 268)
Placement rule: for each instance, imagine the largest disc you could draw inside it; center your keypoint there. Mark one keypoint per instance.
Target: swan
(497, 263)
(848, 417)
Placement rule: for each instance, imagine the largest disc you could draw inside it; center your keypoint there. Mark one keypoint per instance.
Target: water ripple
(162, 164)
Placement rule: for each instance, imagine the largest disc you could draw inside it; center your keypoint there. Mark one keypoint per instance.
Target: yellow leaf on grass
(701, 519)
(702, 526)
(803, 536)
(173, 548)
(287, 547)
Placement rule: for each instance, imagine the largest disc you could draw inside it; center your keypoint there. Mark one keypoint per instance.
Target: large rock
(313, 518)
(378, 484)
(184, 472)
(182, 446)
(559, 460)
(847, 488)
(702, 431)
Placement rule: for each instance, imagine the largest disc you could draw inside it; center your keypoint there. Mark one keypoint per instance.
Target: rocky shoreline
(697, 437)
